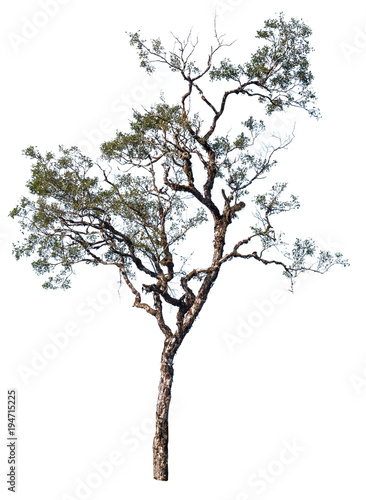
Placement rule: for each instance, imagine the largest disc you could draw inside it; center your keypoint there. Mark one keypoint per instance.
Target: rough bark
(160, 444)
(171, 345)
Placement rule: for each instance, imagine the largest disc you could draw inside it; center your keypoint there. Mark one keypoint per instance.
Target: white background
(301, 372)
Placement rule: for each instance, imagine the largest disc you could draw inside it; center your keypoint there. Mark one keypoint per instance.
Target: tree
(153, 185)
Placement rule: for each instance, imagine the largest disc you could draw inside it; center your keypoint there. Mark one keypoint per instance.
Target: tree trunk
(160, 445)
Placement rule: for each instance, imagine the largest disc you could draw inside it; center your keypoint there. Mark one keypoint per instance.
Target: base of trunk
(160, 451)
(160, 445)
